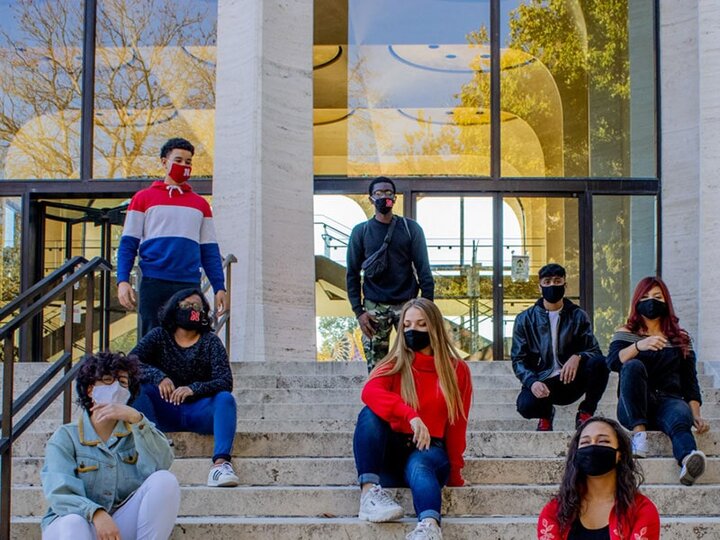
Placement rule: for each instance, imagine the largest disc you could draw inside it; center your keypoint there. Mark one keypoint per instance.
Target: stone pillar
(263, 178)
(708, 260)
(679, 75)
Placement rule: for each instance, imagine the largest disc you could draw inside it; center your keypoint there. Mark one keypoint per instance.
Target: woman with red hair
(658, 379)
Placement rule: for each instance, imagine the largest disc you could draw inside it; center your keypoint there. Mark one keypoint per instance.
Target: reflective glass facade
(506, 125)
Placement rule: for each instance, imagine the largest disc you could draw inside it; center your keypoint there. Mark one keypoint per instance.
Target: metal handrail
(66, 268)
(224, 320)
(9, 430)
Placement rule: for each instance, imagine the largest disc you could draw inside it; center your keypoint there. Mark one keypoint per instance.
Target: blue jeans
(213, 415)
(638, 406)
(388, 458)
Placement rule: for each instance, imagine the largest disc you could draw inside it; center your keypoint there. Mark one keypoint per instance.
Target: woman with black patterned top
(187, 381)
(658, 378)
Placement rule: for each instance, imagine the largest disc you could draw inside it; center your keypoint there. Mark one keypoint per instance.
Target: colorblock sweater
(382, 394)
(173, 229)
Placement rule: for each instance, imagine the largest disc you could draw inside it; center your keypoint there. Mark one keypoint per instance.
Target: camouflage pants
(387, 317)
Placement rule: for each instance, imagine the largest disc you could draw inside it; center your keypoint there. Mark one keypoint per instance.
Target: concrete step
(484, 382)
(267, 444)
(298, 501)
(306, 471)
(478, 411)
(352, 395)
(329, 528)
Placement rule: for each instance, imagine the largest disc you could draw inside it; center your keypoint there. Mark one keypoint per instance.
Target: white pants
(149, 514)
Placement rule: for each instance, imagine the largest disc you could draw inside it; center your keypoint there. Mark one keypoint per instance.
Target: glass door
(536, 231)
(459, 234)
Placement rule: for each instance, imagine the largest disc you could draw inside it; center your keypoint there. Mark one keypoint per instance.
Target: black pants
(153, 295)
(638, 405)
(591, 379)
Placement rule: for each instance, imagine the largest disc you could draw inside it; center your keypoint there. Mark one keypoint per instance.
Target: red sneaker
(546, 424)
(581, 417)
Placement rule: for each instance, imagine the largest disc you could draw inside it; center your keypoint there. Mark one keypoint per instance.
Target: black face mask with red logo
(189, 319)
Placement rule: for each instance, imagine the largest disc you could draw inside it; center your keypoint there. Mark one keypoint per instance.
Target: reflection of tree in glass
(341, 339)
(145, 76)
(564, 86)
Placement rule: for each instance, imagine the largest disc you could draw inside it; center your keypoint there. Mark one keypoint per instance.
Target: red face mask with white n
(179, 173)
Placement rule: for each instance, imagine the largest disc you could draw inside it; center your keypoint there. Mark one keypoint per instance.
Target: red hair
(668, 323)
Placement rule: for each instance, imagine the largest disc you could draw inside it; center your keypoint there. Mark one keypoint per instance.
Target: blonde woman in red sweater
(413, 430)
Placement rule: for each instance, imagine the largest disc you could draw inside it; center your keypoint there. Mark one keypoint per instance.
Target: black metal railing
(31, 304)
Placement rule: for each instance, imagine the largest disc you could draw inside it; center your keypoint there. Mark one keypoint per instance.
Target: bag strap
(412, 263)
(389, 234)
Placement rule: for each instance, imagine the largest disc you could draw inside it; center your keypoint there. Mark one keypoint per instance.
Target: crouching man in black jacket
(555, 355)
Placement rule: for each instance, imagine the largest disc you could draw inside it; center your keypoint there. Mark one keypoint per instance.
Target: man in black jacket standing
(377, 303)
(555, 355)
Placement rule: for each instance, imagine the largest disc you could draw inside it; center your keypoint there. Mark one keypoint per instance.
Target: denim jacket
(83, 474)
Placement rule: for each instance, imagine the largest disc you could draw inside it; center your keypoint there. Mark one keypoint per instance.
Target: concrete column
(263, 179)
(708, 260)
(679, 76)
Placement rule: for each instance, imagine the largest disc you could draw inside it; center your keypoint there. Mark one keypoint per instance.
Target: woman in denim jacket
(105, 476)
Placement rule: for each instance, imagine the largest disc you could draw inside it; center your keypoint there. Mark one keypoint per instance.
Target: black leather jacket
(532, 354)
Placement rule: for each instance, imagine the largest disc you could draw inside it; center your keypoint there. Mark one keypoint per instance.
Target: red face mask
(179, 173)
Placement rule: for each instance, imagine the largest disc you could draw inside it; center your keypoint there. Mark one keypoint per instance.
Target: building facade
(518, 132)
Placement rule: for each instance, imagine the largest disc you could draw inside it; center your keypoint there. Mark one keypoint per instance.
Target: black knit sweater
(203, 367)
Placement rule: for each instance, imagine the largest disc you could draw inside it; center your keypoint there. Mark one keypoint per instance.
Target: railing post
(90, 314)
(228, 283)
(6, 459)
(67, 392)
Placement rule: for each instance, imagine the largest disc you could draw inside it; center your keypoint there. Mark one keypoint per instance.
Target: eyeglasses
(384, 193)
(547, 281)
(122, 379)
(197, 306)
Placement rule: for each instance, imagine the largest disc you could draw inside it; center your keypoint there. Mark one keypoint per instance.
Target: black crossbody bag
(378, 262)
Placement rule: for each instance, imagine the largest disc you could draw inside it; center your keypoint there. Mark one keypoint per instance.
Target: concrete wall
(263, 183)
(690, 93)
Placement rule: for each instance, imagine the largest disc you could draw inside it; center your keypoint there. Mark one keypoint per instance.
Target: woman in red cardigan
(599, 495)
(412, 432)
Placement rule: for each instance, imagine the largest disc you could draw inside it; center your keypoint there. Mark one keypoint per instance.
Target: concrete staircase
(294, 457)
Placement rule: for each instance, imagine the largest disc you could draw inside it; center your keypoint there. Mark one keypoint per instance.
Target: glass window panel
(624, 252)
(338, 336)
(578, 89)
(458, 231)
(41, 66)
(538, 231)
(401, 88)
(155, 79)
(10, 228)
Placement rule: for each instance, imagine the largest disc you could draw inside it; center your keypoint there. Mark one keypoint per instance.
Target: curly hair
(96, 366)
(573, 486)
(168, 313)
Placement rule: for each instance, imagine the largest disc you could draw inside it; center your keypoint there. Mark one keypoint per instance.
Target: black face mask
(189, 319)
(384, 204)
(596, 460)
(553, 293)
(417, 340)
(651, 308)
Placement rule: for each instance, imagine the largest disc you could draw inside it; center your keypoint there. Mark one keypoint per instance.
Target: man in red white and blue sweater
(173, 229)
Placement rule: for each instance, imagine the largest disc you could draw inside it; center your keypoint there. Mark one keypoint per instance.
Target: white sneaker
(639, 444)
(378, 506)
(426, 530)
(222, 476)
(693, 466)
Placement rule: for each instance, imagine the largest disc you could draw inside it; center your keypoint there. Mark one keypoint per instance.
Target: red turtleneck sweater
(382, 394)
